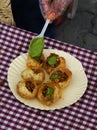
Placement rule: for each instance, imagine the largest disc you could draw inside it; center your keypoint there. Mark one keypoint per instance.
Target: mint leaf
(49, 91)
(52, 60)
(55, 76)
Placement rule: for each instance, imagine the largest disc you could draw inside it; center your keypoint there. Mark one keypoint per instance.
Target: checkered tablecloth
(14, 115)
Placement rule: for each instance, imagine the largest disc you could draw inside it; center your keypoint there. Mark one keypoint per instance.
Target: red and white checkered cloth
(14, 115)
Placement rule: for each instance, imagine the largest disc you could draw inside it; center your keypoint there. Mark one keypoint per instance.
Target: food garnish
(49, 91)
(55, 76)
(52, 60)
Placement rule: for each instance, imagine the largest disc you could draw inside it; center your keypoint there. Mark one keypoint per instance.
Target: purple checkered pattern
(14, 115)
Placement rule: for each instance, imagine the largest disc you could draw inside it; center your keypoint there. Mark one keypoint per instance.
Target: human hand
(54, 6)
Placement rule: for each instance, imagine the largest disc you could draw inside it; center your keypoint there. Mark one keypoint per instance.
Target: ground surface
(82, 29)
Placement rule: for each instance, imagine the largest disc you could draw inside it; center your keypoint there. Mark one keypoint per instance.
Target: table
(14, 115)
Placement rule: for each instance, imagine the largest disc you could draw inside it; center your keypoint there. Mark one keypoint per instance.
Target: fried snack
(37, 75)
(54, 61)
(33, 63)
(27, 89)
(49, 93)
(62, 76)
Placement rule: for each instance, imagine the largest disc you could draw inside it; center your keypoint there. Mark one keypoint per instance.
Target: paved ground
(82, 29)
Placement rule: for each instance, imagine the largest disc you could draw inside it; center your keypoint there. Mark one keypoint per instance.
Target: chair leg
(72, 9)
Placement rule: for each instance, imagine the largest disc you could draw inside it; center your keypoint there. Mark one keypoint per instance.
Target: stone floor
(82, 29)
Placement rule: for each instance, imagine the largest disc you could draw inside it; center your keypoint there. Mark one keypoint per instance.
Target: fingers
(46, 5)
(54, 6)
(60, 5)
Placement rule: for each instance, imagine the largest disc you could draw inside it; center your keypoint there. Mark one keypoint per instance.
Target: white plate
(71, 94)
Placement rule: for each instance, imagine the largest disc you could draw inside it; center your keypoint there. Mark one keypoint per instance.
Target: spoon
(44, 28)
(37, 44)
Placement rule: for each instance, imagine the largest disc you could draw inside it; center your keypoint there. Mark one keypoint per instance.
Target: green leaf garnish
(49, 91)
(55, 76)
(36, 47)
(52, 60)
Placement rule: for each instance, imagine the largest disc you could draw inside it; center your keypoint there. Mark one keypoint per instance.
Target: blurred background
(82, 29)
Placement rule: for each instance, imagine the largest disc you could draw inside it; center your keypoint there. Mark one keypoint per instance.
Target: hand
(54, 6)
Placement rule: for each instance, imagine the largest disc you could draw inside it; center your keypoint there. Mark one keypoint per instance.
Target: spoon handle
(44, 28)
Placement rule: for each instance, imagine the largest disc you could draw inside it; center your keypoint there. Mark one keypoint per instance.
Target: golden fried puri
(27, 89)
(62, 76)
(54, 61)
(37, 75)
(33, 63)
(49, 93)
